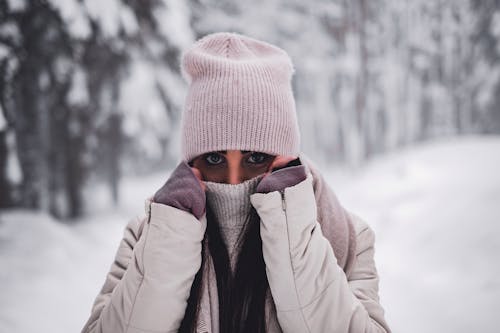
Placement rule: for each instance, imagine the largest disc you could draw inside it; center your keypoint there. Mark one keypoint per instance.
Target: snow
(17, 5)
(111, 15)
(434, 209)
(54, 270)
(128, 20)
(78, 94)
(44, 80)
(75, 17)
(485, 96)
(495, 25)
(107, 13)
(143, 107)
(4, 52)
(9, 30)
(3, 121)
(62, 66)
(13, 167)
(172, 17)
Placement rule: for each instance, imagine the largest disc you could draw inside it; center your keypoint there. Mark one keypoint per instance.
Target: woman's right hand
(184, 190)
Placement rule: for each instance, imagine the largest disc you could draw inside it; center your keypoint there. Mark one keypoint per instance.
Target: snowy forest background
(91, 90)
(402, 95)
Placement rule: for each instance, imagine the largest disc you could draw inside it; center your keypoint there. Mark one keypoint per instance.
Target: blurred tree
(91, 90)
(486, 72)
(38, 88)
(79, 80)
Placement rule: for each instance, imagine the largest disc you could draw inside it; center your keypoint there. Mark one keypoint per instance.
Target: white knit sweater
(231, 206)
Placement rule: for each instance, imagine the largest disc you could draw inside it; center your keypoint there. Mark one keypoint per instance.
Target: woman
(245, 235)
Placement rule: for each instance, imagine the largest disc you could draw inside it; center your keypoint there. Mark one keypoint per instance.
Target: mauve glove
(183, 191)
(289, 175)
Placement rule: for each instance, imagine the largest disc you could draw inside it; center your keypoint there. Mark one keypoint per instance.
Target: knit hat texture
(239, 97)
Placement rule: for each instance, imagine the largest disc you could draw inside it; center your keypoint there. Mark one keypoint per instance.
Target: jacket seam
(127, 323)
(140, 283)
(315, 299)
(291, 264)
(329, 284)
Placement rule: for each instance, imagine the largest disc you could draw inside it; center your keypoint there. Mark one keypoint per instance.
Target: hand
(184, 190)
(281, 162)
(285, 171)
(198, 175)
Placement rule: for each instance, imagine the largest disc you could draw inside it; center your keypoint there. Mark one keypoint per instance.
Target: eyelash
(205, 158)
(266, 157)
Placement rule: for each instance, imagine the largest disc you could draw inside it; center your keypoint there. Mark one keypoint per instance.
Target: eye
(257, 158)
(213, 158)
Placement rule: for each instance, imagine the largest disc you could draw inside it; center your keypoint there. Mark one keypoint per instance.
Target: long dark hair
(242, 298)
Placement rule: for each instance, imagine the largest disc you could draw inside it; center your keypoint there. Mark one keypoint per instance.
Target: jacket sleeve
(149, 282)
(310, 291)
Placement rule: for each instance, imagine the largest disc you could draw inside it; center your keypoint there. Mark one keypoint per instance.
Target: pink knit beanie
(239, 97)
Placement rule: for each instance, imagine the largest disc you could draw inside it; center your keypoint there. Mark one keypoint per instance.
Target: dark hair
(242, 298)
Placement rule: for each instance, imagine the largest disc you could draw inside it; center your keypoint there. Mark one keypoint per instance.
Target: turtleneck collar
(231, 206)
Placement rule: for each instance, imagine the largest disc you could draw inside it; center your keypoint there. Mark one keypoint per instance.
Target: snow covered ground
(436, 213)
(435, 209)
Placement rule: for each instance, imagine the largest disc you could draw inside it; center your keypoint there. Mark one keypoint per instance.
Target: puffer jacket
(147, 287)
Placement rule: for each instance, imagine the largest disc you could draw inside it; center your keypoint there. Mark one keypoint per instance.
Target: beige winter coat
(147, 287)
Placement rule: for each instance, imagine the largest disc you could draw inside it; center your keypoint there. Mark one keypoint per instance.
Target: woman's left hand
(285, 171)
